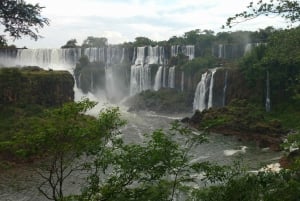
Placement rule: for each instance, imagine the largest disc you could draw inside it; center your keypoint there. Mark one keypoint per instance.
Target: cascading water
(182, 81)
(174, 50)
(268, 101)
(158, 76)
(225, 88)
(204, 92)
(171, 77)
(164, 76)
(211, 86)
(221, 51)
(56, 59)
(92, 82)
(189, 51)
(140, 76)
(200, 93)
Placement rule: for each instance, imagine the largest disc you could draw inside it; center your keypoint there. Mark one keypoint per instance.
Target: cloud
(126, 19)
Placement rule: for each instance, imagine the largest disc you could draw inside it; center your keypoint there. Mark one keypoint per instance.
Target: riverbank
(241, 119)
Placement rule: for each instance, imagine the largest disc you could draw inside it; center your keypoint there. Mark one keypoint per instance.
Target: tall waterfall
(268, 101)
(156, 55)
(225, 88)
(158, 76)
(211, 86)
(200, 94)
(164, 84)
(188, 50)
(182, 81)
(171, 77)
(95, 54)
(221, 51)
(140, 76)
(204, 92)
(56, 59)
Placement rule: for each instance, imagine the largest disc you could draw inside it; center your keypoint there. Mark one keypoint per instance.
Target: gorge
(117, 72)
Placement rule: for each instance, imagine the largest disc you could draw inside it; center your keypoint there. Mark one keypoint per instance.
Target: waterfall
(182, 81)
(109, 82)
(157, 83)
(204, 92)
(200, 94)
(92, 82)
(57, 59)
(189, 51)
(221, 54)
(225, 88)
(123, 55)
(248, 48)
(161, 56)
(153, 55)
(268, 101)
(164, 76)
(211, 86)
(174, 50)
(171, 77)
(140, 76)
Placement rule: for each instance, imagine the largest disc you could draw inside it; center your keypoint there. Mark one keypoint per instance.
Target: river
(20, 183)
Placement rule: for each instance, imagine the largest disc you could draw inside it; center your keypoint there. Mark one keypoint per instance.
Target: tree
(60, 139)
(287, 9)
(94, 42)
(20, 18)
(72, 43)
(160, 168)
(142, 41)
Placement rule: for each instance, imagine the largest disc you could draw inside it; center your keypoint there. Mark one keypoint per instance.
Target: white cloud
(123, 20)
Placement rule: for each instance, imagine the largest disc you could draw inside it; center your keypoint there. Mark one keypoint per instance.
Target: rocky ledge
(243, 120)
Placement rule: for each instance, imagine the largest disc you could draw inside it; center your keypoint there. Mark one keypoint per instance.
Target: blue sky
(123, 20)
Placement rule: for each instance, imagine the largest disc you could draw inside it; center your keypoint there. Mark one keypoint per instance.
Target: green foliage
(280, 57)
(94, 42)
(20, 18)
(59, 137)
(158, 169)
(240, 116)
(164, 100)
(199, 64)
(142, 41)
(267, 186)
(287, 9)
(32, 85)
(72, 43)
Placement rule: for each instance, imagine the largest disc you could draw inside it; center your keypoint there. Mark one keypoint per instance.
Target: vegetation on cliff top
(164, 100)
(32, 85)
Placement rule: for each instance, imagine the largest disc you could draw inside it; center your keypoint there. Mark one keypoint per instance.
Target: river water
(20, 183)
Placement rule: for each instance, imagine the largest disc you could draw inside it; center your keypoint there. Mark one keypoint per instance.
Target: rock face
(32, 85)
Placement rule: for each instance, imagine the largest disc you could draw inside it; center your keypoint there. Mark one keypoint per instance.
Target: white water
(164, 76)
(200, 94)
(221, 52)
(56, 59)
(211, 86)
(171, 77)
(188, 50)
(158, 76)
(182, 81)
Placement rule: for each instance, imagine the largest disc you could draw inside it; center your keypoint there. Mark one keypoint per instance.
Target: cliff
(32, 85)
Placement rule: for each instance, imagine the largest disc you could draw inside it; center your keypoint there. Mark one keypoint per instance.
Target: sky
(124, 20)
